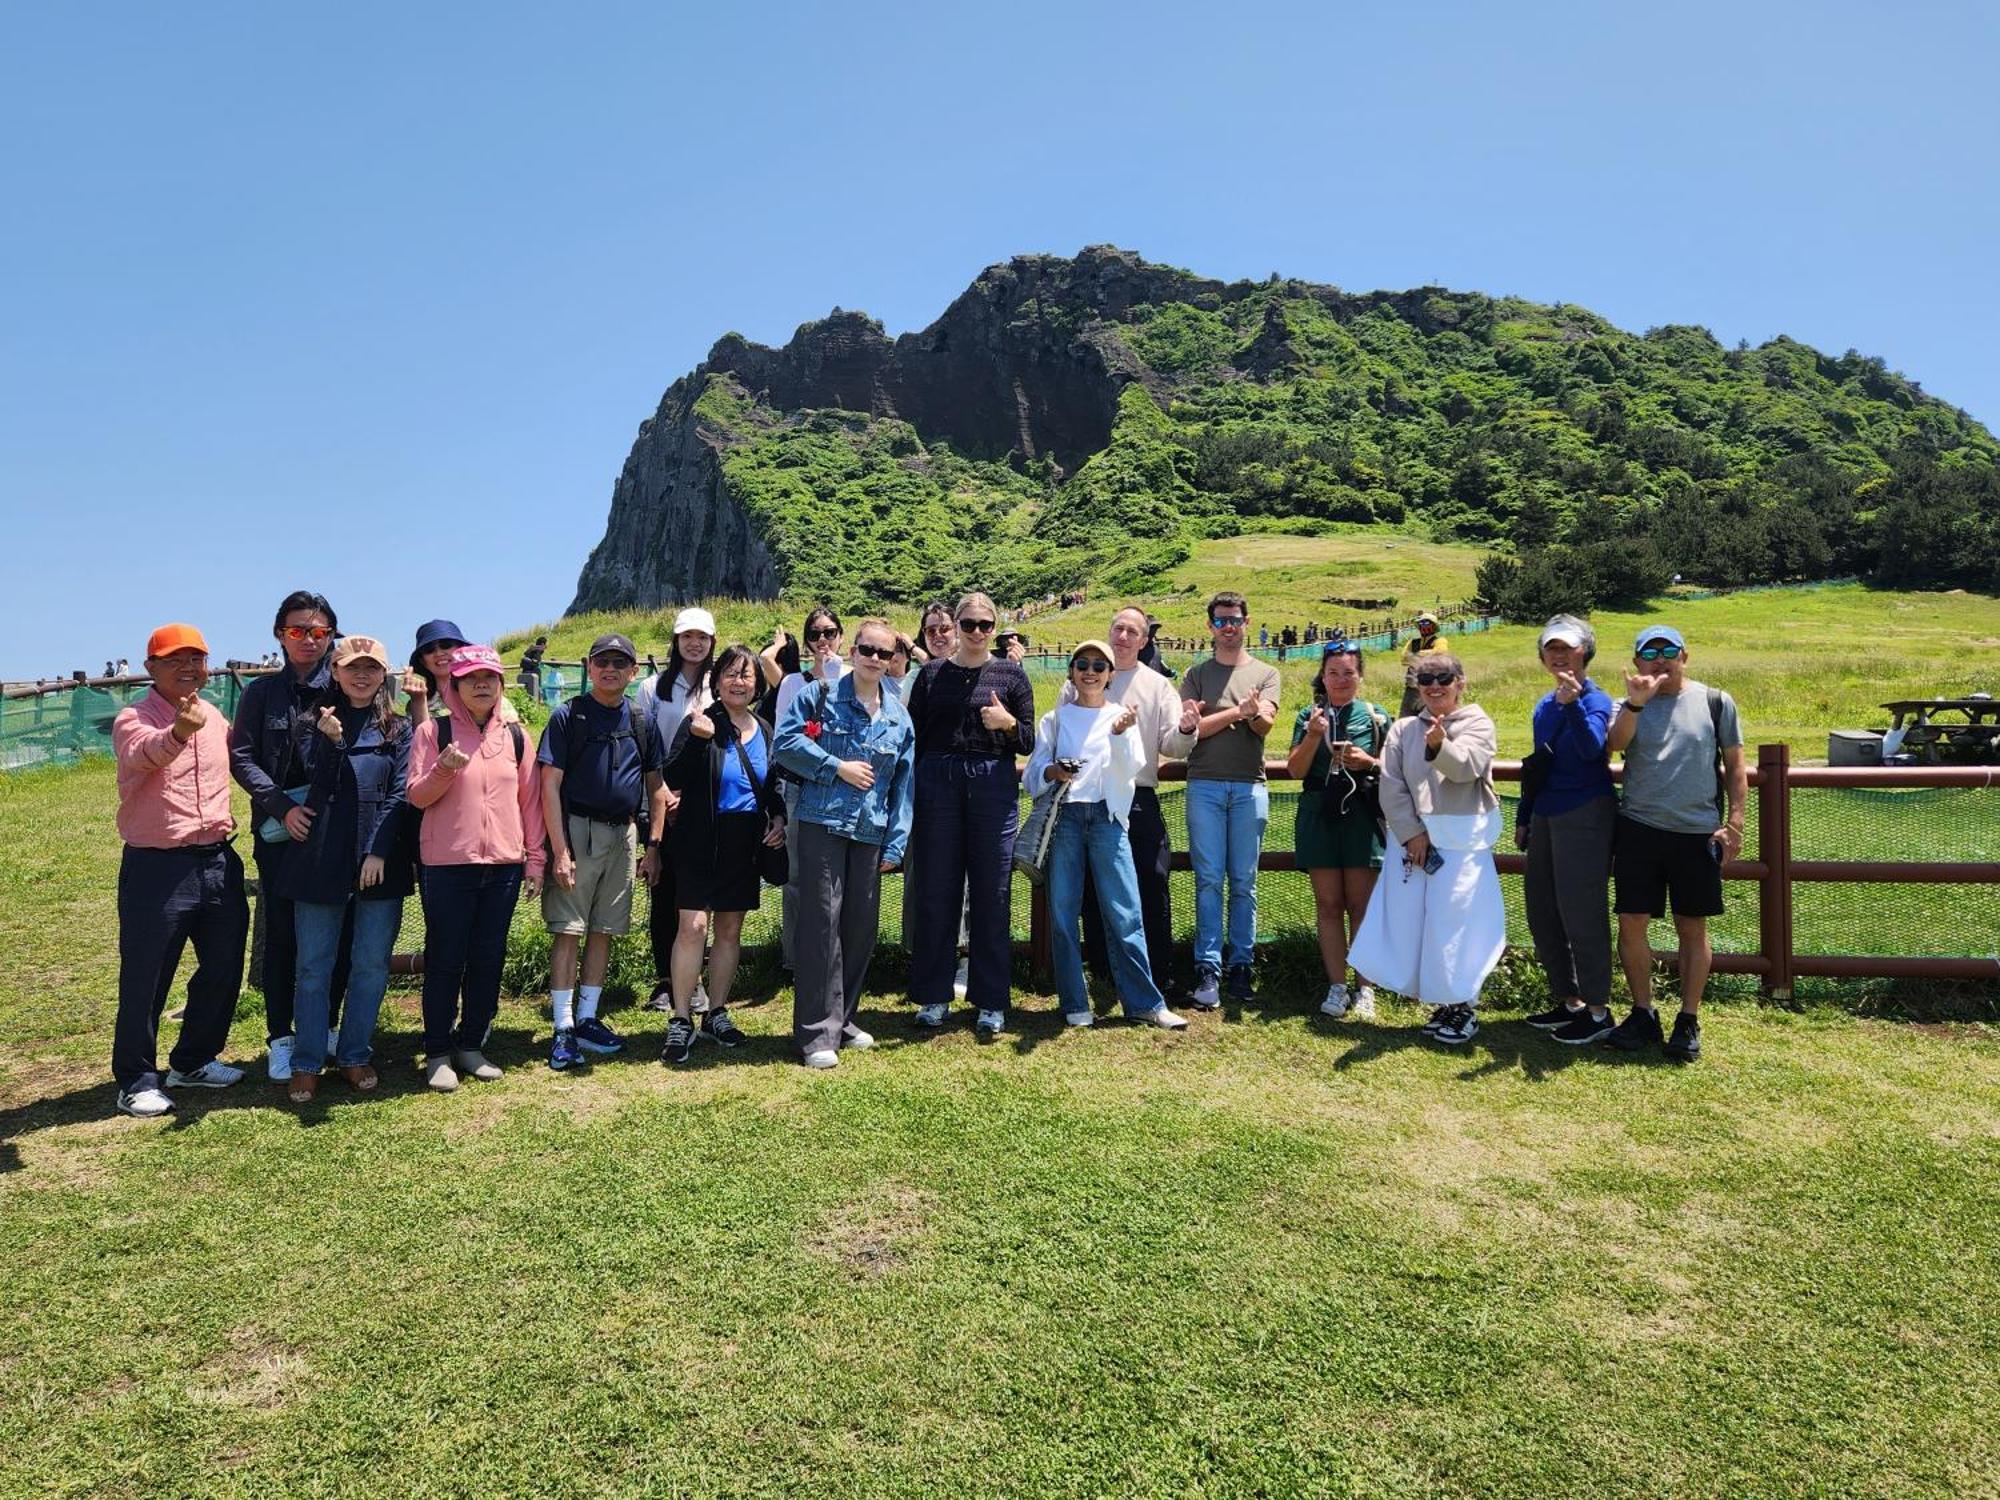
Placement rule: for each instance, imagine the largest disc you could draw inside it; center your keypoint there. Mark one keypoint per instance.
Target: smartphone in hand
(1433, 861)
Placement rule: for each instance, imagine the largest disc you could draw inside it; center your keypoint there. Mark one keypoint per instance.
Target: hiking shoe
(1557, 1016)
(1582, 1026)
(440, 1075)
(1078, 1019)
(1683, 1046)
(822, 1059)
(594, 1036)
(680, 1041)
(1458, 1026)
(470, 1062)
(1364, 1003)
(213, 1074)
(1336, 1002)
(1207, 995)
(988, 1025)
(662, 998)
(565, 1053)
(1639, 1030)
(1164, 1018)
(962, 980)
(720, 1029)
(1239, 983)
(281, 1058)
(857, 1039)
(930, 1017)
(144, 1104)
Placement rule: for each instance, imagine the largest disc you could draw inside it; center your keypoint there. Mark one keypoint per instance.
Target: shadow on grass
(1503, 1045)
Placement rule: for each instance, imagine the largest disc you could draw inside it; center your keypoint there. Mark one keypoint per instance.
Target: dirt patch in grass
(83, 1157)
(253, 1370)
(875, 1235)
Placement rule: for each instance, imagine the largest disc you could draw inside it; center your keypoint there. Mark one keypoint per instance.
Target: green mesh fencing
(61, 727)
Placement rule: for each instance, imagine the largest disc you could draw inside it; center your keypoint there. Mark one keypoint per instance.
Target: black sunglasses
(1435, 679)
(611, 659)
(1090, 664)
(824, 633)
(874, 653)
(978, 626)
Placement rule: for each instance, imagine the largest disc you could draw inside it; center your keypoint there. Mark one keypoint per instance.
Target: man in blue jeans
(1228, 804)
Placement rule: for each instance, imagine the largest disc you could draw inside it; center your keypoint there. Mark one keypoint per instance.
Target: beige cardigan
(1459, 779)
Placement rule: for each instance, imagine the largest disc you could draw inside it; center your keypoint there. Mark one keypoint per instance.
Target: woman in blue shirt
(720, 767)
(1567, 814)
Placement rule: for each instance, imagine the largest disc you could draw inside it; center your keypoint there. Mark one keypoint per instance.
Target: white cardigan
(1121, 772)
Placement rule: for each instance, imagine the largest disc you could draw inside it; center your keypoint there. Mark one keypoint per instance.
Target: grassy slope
(1261, 1257)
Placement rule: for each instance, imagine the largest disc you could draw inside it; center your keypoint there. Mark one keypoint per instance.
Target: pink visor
(465, 660)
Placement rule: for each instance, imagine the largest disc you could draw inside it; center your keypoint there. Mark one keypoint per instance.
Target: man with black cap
(1681, 818)
(600, 779)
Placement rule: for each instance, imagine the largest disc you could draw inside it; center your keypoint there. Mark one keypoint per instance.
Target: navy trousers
(467, 911)
(967, 810)
(168, 898)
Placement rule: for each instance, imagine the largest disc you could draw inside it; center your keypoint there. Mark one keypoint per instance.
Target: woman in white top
(1086, 744)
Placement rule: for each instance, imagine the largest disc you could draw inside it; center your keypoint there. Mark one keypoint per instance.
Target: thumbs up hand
(995, 716)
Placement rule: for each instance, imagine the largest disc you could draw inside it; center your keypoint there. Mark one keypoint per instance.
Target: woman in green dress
(1337, 756)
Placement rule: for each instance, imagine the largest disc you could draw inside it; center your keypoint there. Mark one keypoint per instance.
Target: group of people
(886, 754)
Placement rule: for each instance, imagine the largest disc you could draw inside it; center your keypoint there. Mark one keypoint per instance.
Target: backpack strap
(1721, 775)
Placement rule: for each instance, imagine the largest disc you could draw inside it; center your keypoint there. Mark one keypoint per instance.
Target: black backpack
(520, 739)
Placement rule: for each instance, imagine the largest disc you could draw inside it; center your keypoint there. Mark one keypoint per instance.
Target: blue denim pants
(1087, 836)
(318, 925)
(1225, 821)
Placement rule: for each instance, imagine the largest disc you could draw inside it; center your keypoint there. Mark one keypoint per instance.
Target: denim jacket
(888, 742)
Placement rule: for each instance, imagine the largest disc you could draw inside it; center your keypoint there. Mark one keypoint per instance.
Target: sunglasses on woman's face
(975, 627)
(1090, 664)
(1436, 679)
(874, 653)
(1654, 653)
(824, 633)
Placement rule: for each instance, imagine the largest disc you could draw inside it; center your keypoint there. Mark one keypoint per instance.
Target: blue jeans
(467, 910)
(1087, 834)
(318, 925)
(1225, 821)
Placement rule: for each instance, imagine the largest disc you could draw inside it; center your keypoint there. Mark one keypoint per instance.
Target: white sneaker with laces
(822, 1059)
(1078, 1019)
(1164, 1018)
(144, 1104)
(988, 1024)
(962, 980)
(1460, 1026)
(1335, 1003)
(281, 1058)
(214, 1074)
(856, 1039)
(1364, 1003)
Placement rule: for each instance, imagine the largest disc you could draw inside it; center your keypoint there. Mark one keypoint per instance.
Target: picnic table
(1948, 731)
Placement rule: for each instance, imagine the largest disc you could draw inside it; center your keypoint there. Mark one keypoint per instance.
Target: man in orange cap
(179, 882)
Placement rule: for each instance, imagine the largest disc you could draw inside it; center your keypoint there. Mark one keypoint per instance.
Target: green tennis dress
(1325, 840)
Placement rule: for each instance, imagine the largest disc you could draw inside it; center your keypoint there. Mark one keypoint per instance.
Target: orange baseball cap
(171, 638)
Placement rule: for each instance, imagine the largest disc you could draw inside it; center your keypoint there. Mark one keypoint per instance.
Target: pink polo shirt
(171, 795)
(489, 812)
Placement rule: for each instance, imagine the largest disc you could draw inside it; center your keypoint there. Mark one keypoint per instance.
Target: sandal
(362, 1077)
(304, 1087)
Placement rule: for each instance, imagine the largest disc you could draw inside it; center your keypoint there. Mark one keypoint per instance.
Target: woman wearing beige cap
(354, 855)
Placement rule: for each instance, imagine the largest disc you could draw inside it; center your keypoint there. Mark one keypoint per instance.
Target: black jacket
(274, 714)
(358, 793)
(694, 770)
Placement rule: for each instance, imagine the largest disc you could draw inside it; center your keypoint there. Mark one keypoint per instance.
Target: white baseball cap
(694, 618)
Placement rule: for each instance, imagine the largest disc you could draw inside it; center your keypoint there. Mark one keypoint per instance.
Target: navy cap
(612, 641)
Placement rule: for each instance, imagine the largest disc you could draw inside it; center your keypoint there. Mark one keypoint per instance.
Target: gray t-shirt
(1235, 753)
(1670, 764)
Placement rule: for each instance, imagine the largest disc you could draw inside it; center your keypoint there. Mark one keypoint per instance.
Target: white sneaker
(962, 980)
(281, 1058)
(1207, 992)
(1077, 1018)
(931, 1016)
(1164, 1018)
(1335, 1003)
(699, 1005)
(1459, 1026)
(822, 1059)
(988, 1024)
(1364, 1003)
(214, 1074)
(144, 1104)
(857, 1039)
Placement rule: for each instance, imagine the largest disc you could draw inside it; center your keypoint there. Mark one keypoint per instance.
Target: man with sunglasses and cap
(267, 756)
(601, 764)
(179, 880)
(1681, 817)
(1425, 640)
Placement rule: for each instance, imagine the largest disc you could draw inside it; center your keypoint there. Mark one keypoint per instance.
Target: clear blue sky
(373, 297)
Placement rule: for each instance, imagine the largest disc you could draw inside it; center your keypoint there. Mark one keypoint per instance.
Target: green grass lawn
(1267, 1256)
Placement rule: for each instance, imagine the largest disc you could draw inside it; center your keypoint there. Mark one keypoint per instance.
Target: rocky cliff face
(1026, 362)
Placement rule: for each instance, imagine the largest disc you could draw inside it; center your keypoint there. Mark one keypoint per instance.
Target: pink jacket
(489, 812)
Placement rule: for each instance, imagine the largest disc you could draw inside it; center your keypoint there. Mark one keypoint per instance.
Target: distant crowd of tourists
(819, 765)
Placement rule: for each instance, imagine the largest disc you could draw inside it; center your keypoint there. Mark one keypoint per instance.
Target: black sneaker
(680, 1041)
(1557, 1016)
(1582, 1027)
(1639, 1030)
(1685, 1044)
(1239, 983)
(720, 1029)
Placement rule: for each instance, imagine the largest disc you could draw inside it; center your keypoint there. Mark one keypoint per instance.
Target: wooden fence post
(1774, 850)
